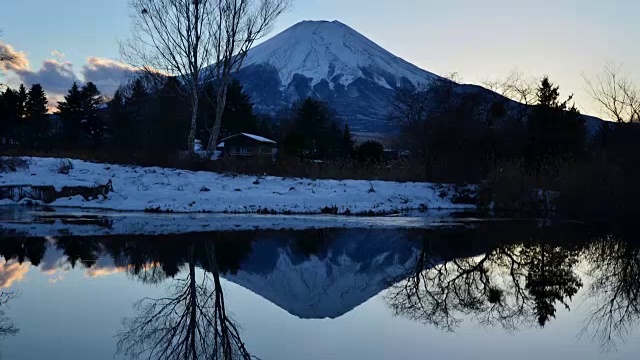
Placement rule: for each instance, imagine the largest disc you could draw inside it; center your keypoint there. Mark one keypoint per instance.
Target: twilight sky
(66, 40)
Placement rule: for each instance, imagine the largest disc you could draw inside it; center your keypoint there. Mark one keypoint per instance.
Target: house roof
(251, 136)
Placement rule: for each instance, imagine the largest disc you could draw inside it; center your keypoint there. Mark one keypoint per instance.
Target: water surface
(482, 290)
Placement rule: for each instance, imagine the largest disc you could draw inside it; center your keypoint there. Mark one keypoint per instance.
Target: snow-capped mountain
(332, 62)
(335, 53)
(351, 268)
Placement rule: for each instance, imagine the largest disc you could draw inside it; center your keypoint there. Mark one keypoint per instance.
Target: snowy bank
(171, 190)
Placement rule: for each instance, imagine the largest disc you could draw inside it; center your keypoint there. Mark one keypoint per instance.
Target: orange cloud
(19, 60)
(11, 272)
(103, 271)
(95, 272)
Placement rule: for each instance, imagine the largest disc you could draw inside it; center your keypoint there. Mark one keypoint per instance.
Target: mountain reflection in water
(512, 275)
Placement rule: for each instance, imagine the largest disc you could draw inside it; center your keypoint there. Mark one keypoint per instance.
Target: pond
(460, 288)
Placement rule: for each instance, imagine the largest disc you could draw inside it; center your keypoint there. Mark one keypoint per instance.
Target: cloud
(107, 74)
(96, 272)
(19, 62)
(12, 271)
(57, 54)
(56, 75)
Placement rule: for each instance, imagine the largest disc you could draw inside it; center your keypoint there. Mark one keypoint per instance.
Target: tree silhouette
(36, 129)
(313, 132)
(347, 141)
(191, 322)
(507, 285)
(71, 114)
(614, 266)
(555, 128)
(7, 327)
(550, 279)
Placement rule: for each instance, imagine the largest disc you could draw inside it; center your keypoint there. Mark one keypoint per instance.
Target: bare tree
(173, 38)
(515, 86)
(614, 266)
(7, 327)
(616, 93)
(200, 42)
(507, 286)
(191, 322)
(238, 24)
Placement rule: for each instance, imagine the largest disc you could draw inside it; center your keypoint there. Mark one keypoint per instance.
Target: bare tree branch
(515, 86)
(615, 92)
(172, 38)
(191, 322)
(238, 25)
(201, 42)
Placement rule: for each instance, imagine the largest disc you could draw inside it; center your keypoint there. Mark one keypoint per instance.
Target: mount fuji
(332, 62)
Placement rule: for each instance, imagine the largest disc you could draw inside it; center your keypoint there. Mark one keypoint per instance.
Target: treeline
(536, 156)
(146, 120)
(461, 133)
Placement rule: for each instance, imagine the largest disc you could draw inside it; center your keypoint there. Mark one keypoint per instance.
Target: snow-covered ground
(144, 188)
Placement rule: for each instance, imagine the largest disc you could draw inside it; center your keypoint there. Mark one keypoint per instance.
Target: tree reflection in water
(191, 322)
(614, 267)
(7, 327)
(508, 285)
(484, 274)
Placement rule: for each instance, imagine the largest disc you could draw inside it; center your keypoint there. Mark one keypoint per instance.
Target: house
(248, 145)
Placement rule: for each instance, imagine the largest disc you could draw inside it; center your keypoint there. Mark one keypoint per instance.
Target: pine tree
(556, 129)
(22, 102)
(37, 121)
(313, 131)
(9, 119)
(36, 105)
(71, 114)
(92, 101)
(238, 113)
(164, 129)
(347, 141)
(119, 123)
(137, 101)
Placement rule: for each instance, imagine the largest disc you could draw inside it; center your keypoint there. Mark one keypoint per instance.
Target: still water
(481, 290)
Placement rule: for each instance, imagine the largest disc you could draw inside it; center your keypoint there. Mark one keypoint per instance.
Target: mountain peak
(332, 51)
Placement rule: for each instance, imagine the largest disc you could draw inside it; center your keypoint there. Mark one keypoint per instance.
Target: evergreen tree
(93, 123)
(128, 115)
(36, 105)
(137, 101)
(313, 131)
(119, 123)
(370, 151)
(37, 127)
(556, 129)
(164, 128)
(238, 113)
(71, 114)
(22, 102)
(550, 279)
(9, 118)
(347, 141)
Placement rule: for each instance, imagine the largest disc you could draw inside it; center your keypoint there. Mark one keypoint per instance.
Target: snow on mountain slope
(323, 50)
(355, 266)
